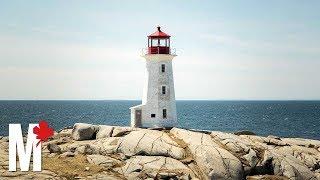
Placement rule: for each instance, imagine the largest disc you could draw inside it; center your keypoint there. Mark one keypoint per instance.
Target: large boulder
(54, 148)
(87, 149)
(157, 167)
(240, 147)
(287, 165)
(104, 131)
(308, 156)
(82, 131)
(109, 145)
(214, 161)
(149, 142)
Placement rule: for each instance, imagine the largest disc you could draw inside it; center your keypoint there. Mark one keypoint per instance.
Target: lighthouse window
(163, 68)
(153, 115)
(163, 90)
(162, 42)
(155, 42)
(164, 113)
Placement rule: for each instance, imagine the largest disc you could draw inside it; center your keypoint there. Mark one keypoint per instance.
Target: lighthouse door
(138, 117)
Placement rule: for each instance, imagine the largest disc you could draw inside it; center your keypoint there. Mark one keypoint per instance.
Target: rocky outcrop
(241, 148)
(104, 131)
(142, 167)
(149, 142)
(121, 131)
(105, 161)
(82, 131)
(288, 166)
(214, 161)
(111, 152)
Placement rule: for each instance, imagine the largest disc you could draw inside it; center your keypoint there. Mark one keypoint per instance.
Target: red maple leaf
(43, 131)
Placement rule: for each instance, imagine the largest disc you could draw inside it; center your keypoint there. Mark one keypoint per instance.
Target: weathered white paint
(153, 101)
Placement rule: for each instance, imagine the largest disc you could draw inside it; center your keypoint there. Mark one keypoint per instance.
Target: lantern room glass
(158, 42)
(158, 45)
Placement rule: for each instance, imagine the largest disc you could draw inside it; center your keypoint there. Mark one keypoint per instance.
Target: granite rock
(114, 152)
(214, 161)
(149, 142)
(82, 131)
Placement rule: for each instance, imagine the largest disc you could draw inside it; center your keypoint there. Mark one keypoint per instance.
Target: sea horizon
(283, 118)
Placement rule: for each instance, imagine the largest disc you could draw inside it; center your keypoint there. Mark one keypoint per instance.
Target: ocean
(280, 118)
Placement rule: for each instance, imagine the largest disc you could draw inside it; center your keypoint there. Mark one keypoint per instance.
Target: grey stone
(87, 149)
(53, 148)
(104, 131)
(82, 131)
(109, 145)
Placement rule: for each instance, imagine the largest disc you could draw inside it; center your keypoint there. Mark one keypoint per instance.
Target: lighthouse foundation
(138, 121)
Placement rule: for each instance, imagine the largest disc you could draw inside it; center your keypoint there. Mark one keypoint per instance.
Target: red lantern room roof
(159, 34)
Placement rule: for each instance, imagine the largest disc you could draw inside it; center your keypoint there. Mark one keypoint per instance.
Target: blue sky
(226, 49)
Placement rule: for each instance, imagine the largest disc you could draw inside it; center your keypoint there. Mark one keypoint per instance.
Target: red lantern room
(159, 42)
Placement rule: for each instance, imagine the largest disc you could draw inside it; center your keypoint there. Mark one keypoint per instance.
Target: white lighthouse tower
(158, 108)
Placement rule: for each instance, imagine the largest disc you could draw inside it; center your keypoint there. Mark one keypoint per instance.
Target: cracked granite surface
(111, 152)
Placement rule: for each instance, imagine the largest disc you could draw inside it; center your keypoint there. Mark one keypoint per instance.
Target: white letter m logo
(24, 153)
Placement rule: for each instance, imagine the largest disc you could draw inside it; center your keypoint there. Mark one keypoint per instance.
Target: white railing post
(173, 51)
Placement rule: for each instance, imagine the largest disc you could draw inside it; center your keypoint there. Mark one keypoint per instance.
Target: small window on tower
(163, 68)
(163, 90)
(153, 115)
(164, 113)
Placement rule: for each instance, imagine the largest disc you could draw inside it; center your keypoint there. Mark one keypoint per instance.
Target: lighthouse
(158, 108)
